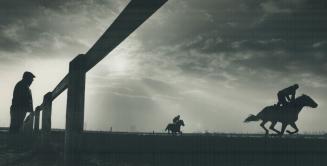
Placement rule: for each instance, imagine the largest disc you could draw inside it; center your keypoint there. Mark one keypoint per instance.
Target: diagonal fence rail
(134, 15)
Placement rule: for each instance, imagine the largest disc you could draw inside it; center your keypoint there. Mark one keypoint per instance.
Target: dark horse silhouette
(175, 127)
(288, 115)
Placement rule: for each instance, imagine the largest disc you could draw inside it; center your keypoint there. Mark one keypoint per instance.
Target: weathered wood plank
(37, 121)
(62, 86)
(136, 12)
(47, 111)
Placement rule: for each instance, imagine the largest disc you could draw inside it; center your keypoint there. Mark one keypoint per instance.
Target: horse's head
(181, 123)
(308, 101)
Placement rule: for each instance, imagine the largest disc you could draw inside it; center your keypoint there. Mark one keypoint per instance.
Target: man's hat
(28, 74)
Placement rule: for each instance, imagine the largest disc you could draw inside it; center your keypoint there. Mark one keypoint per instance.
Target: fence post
(37, 121)
(75, 111)
(46, 114)
(45, 107)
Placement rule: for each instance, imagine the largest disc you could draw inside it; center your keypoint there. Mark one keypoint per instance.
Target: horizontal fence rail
(61, 87)
(136, 12)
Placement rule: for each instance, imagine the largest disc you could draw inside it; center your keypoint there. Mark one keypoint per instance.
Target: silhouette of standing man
(22, 102)
(284, 95)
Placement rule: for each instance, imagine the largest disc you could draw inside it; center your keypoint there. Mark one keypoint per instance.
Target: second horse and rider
(175, 127)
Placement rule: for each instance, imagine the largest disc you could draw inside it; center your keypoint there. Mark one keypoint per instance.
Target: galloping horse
(287, 115)
(175, 127)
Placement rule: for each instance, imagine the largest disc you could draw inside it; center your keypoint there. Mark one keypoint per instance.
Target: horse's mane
(302, 97)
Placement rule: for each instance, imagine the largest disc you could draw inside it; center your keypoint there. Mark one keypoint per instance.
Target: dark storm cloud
(292, 34)
(15, 16)
(288, 37)
(43, 26)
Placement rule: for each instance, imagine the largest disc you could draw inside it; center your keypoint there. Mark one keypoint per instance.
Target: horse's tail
(251, 118)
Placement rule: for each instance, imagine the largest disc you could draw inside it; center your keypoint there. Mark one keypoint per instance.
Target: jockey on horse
(176, 119)
(286, 96)
(175, 127)
(287, 114)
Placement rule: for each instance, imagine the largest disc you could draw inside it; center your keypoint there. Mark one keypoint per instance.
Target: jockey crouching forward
(287, 95)
(176, 119)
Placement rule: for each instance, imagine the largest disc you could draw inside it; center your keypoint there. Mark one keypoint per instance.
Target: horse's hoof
(289, 132)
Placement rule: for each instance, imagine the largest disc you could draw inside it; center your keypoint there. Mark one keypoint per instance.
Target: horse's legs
(295, 127)
(283, 129)
(180, 132)
(272, 127)
(262, 124)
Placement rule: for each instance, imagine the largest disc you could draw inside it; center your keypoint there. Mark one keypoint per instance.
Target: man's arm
(293, 96)
(26, 99)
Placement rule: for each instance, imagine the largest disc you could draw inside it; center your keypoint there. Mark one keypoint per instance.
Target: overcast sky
(211, 61)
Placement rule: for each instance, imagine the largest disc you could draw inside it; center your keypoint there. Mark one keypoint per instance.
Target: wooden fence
(135, 13)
